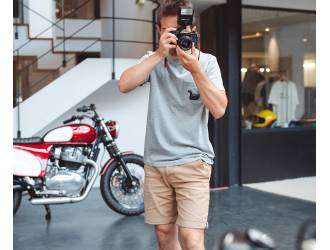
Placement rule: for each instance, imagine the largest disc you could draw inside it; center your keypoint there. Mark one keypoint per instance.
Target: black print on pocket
(193, 94)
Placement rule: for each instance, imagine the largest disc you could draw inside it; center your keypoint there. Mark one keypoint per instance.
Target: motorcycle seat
(29, 140)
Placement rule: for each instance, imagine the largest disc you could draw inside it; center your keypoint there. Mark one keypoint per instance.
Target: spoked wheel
(118, 192)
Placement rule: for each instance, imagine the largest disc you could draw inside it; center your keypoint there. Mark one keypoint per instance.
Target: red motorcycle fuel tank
(71, 134)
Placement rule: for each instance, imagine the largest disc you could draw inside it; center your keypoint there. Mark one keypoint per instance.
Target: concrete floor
(91, 225)
(301, 188)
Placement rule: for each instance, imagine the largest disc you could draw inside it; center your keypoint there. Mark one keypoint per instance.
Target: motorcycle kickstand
(48, 215)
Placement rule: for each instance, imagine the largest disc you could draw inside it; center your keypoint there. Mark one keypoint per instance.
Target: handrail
(59, 20)
(66, 61)
(66, 38)
(38, 14)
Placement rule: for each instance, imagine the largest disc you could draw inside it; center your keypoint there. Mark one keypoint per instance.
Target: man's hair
(171, 8)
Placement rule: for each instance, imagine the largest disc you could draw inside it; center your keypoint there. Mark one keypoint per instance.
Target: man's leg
(167, 236)
(191, 238)
(191, 183)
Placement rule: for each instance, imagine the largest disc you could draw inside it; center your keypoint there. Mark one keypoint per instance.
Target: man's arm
(214, 99)
(136, 75)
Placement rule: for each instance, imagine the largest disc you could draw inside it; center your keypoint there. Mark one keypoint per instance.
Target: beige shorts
(177, 194)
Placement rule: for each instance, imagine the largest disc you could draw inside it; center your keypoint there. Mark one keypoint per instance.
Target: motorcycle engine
(68, 175)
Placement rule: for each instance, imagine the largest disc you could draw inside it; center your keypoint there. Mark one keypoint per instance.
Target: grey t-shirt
(177, 131)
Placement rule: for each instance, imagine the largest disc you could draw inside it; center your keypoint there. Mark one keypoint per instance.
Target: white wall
(92, 29)
(45, 106)
(37, 23)
(127, 29)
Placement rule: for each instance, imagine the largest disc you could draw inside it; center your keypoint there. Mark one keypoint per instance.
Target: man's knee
(167, 236)
(191, 238)
(166, 230)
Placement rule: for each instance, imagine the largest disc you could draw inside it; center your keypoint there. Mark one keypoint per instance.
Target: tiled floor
(91, 225)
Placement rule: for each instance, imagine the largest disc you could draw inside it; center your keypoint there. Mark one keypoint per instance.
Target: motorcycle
(61, 167)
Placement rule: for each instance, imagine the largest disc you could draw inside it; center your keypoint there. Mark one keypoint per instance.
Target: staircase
(55, 71)
(40, 53)
(65, 92)
(39, 61)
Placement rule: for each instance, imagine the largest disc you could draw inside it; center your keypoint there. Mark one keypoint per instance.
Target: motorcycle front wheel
(17, 198)
(117, 192)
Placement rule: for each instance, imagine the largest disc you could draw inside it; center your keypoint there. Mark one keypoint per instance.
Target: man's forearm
(136, 75)
(213, 98)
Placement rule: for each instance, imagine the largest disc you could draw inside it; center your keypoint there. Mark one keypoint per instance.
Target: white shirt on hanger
(284, 98)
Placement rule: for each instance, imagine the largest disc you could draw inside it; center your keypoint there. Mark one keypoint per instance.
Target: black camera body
(185, 38)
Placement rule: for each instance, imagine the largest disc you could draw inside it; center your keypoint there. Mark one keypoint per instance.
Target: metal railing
(20, 70)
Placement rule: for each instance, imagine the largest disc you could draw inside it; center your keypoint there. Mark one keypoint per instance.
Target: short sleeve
(214, 74)
(295, 98)
(141, 60)
(146, 55)
(274, 95)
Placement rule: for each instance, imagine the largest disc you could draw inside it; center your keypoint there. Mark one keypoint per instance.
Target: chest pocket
(191, 93)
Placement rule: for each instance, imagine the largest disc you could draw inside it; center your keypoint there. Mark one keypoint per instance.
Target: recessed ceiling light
(305, 40)
(267, 29)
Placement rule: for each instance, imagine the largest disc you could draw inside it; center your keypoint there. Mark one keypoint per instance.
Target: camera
(185, 38)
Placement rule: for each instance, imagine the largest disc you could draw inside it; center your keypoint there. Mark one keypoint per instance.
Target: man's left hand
(189, 60)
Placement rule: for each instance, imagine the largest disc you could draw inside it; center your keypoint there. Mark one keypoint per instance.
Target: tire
(108, 192)
(17, 198)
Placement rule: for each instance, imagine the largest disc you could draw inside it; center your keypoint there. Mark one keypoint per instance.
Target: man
(178, 154)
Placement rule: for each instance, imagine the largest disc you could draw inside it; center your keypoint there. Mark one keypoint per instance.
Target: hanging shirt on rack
(284, 98)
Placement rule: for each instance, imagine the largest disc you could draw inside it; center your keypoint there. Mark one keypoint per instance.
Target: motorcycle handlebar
(86, 108)
(70, 120)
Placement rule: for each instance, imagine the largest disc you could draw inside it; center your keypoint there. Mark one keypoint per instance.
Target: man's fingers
(172, 35)
(181, 52)
(171, 46)
(193, 50)
(170, 29)
(170, 40)
(167, 35)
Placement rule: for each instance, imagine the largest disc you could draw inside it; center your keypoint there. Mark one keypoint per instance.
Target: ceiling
(256, 20)
(201, 5)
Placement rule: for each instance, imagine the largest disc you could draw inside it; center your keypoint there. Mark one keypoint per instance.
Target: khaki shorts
(177, 194)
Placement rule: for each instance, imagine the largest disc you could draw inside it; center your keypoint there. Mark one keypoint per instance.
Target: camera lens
(185, 42)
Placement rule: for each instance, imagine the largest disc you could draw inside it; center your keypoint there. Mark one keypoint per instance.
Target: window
(278, 68)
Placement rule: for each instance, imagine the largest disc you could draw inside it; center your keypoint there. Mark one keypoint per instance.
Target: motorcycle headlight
(113, 127)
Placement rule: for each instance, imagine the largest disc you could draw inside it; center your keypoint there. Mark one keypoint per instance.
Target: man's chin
(173, 53)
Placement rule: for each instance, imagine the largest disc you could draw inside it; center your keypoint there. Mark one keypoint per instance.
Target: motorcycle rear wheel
(113, 183)
(17, 198)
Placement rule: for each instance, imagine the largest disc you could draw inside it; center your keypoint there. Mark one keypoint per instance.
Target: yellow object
(264, 118)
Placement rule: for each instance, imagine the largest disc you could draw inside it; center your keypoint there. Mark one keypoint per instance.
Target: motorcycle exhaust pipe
(63, 200)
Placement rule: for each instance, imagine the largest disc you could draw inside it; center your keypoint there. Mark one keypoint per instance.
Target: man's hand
(189, 61)
(165, 41)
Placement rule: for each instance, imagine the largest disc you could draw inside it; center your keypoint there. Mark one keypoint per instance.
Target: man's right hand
(167, 41)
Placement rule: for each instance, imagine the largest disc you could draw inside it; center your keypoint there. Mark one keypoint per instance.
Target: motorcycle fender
(108, 163)
(26, 164)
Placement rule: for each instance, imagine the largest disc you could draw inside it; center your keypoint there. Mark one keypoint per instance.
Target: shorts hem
(151, 222)
(192, 224)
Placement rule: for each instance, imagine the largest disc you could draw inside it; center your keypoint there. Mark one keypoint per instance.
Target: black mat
(92, 225)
